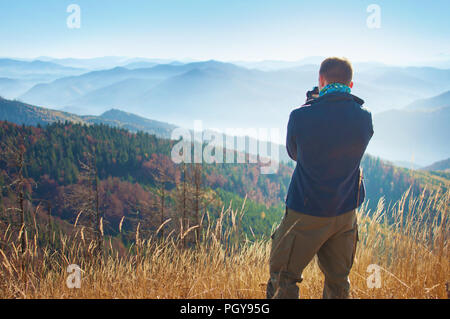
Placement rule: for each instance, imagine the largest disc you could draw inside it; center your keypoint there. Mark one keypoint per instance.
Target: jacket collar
(336, 96)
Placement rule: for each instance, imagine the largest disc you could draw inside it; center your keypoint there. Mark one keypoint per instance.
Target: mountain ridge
(443, 165)
(27, 114)
(431, 103)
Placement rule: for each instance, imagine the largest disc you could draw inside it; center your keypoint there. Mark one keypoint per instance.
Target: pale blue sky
(411, 31)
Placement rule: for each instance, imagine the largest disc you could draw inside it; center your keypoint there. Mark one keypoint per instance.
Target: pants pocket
(278, 227)
(282, 247)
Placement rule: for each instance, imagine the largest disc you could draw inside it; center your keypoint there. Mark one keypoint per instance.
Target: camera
(313, 94)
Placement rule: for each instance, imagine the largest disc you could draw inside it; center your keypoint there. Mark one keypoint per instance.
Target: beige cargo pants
(298, 239)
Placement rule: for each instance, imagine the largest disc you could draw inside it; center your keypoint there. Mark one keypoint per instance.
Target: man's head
(335, 70)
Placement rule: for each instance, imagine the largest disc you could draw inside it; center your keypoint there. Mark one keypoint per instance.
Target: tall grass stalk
(408, 241)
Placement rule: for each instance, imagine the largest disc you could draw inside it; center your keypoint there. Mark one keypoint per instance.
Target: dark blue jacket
(327, 137)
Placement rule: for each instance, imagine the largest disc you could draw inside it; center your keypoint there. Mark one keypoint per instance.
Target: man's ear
(321, 82)
(351, 85)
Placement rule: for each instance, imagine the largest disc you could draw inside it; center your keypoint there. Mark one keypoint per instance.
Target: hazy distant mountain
(66, 91)
(418, 133)
(11, 88)
(388, 87)
(62, 91)
(416, 136)
(18, 76)
(107, 62)
(442, 100)
(271, 65)
(115, 95)
(442, 63)
(219, 94)
(202, 85)
(382, 87)
(443, 165)
(139, 65)
(25, 69)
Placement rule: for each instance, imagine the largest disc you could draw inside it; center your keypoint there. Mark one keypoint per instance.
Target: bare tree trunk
(49, 221)
(20, 191)
(97, 217)
(197, 197)
(98, 226)
(183, 227)
(163, 199)
(22, 218)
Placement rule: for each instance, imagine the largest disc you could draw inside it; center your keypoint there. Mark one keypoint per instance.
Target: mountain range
(424, 129)
(431, 104)
(210, 86)
(409, 104)
(128, 165)
(418, 133)
(443, 165)
(106, 62)
(18, 76)
(26, 114)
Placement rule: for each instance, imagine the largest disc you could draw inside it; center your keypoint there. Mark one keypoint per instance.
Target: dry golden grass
(412, 251)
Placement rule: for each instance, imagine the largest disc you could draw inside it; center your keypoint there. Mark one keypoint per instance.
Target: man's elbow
(292, 155)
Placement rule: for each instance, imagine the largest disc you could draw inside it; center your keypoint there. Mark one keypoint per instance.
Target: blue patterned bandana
(334, 87)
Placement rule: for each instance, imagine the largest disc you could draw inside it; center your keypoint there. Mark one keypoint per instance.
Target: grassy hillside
(129, 166)
(443, 165)
(211, 242)
(411, 257)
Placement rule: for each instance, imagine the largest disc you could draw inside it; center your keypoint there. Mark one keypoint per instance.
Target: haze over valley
(410, 105)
